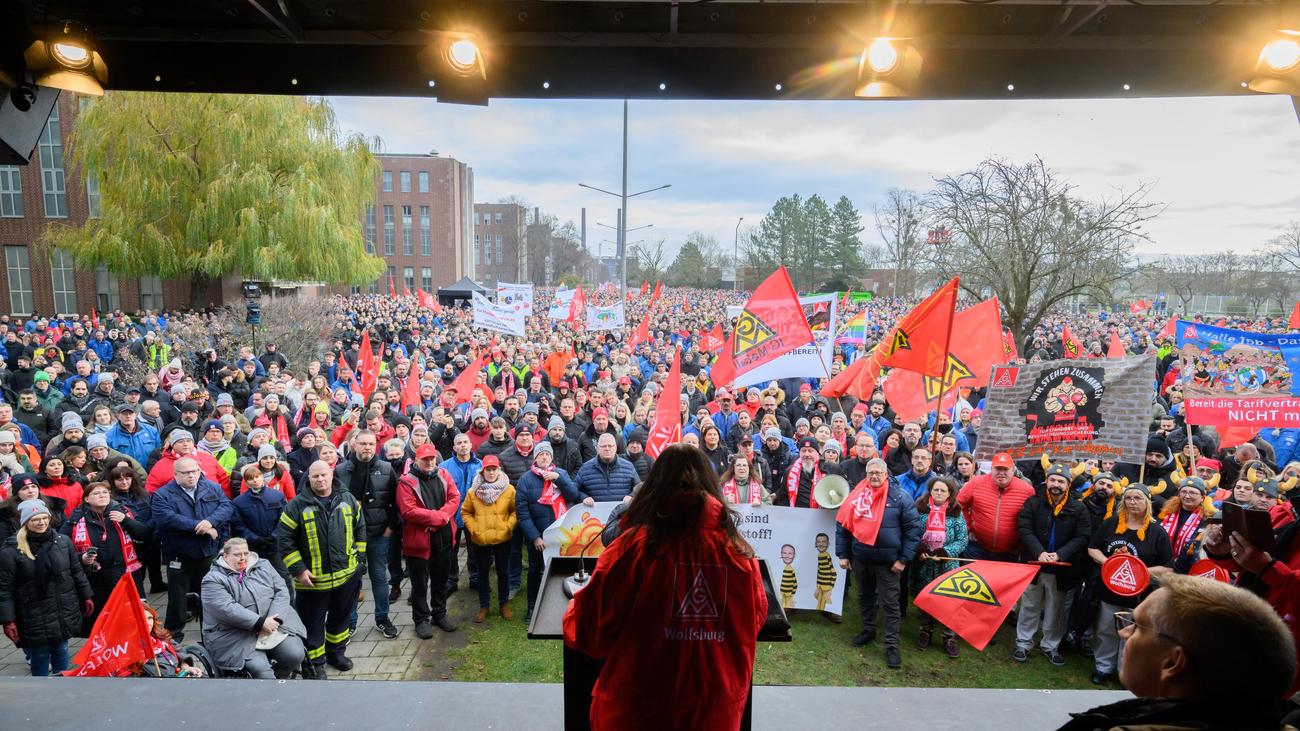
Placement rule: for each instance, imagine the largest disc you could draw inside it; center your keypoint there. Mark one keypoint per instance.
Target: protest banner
(606, 318)
(1070, 409)
(518, 297)
(812, 360)
(1238, 378)
(491, 316)
(563, 302)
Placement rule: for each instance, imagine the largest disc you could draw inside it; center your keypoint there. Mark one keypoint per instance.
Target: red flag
(406, 291)
(367, 365)
(645, 287)
(1232, 436)
(666, 428)
(1070, 345)
(426, 300)
(659, 290)
(844, 303)
(94, 318)
(392, 290)
(970, 361)
(858, 380)
(119, 642)
(920, 341)
(411, 389)
(642, 332)
(1116, 347)
(578, 307)
(1223, 322)
(771, 324)
(468, 378)
(1294, 322)
(863, 512)
(1009, 350)
(973, 599)
(712, 340)
(1168, 330)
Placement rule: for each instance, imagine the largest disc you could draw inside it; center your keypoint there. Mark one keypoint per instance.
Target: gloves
(88, 607)
(11, 631)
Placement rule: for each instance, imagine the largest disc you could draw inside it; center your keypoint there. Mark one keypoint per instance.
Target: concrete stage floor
(107, 704)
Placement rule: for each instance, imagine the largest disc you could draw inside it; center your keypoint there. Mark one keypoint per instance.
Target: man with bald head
(191, 516)
(322, 541)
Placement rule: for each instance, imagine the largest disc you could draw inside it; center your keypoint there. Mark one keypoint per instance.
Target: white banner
(563, 302)
(605, 318)
(490, 316)
(518, 297)
(797, 543)
(812, 360)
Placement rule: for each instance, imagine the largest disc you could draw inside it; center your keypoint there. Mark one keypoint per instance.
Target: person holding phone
(106, 535)
(248, 623)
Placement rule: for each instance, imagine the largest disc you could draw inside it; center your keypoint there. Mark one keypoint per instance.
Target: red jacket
(282, 482)
(165, 469)
(1282, 577)
(991, 513)
(678, 630)
(419, 521)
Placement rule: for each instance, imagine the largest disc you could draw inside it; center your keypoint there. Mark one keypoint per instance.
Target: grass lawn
(821, 654)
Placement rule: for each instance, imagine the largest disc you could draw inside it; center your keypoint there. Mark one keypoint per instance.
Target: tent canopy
(460, 290)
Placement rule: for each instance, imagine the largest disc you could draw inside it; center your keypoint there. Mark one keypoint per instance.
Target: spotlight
(888, 67)
(1277, 70)
(1011, 87)
(68, 60)
(779, 87)
(432, 83)
(1127, 87)
(546, 84)
(463, 55)
(458, 60)
(662, 86)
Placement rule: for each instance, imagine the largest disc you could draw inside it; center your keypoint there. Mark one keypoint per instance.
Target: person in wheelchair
(167, 661)
(248, 624)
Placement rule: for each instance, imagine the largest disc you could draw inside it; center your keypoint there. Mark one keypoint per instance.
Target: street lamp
(622, 236)
(735, 257)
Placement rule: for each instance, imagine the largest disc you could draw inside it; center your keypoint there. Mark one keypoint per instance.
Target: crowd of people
(278, 490)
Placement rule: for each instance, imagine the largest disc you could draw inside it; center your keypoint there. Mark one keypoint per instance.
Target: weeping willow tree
(204, 186)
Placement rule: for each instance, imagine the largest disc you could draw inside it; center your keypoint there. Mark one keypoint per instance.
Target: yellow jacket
(489, 525)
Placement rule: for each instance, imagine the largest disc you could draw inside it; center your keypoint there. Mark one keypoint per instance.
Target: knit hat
(833, 445)
(21, 480)
(555, 423)
(29, 509)
(7, 437)
(267, 450)
(180, 389)
(41, 376)
(530, 408)
(1195, 483)
(477, 414)
(808, 442)
(95, 441)
(211, 424)
(1213, 464)
(257, 431)
(802, 422)
(189, 406)
(771, 433)
(71, 421)
(175, 364)
(303, 432)
(1059, 469)
(224, 399)
(178, 435)
(1157, 444)
(543, 447)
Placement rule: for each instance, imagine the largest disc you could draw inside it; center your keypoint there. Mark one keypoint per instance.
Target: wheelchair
(194, 604)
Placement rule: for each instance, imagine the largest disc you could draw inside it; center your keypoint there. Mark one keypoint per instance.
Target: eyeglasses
(1125, 622)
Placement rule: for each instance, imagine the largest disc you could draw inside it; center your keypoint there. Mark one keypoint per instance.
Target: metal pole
(622, 219)
(735, 257)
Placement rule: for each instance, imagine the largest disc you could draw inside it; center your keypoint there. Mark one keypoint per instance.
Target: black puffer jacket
(568, 454)
(515, 464)
(379, 502)
(49, 615)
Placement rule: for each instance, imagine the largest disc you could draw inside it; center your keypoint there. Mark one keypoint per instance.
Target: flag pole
(943, 379)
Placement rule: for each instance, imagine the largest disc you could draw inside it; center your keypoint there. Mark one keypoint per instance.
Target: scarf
(81, 538)
(1185, 539)
(731, 492)
(864, 512)
(550, 494)
(214, 449)
(936, 526)
(42, 548)
(489, 492)
(792, 482)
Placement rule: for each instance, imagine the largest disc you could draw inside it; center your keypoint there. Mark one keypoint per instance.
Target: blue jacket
(1286, 445)
(533, 516)
(900, 533)
(174, 518)
(724, 422)
(256, 517)
(607, 483)
(103, 349)
(463, 473)
(962, 444)
(915, 486)
(138, 445)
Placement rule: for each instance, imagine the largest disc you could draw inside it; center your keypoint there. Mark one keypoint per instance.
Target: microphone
(578, 581)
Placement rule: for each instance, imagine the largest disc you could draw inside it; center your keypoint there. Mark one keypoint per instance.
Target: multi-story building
(420, 223)
(45, 191)
(500, 243)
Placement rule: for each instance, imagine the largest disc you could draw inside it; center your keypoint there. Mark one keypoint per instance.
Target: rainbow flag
(854, 331)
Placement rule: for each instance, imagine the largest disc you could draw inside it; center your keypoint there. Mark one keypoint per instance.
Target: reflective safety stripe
(293, 559)
(315, 652)
(314, 548)
(334, 639)
(285, 519)
(361, 547)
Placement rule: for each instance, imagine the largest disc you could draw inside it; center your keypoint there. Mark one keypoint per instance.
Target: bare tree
(1019, 232)
(900, 221)
(1287, 245)
(651, 259)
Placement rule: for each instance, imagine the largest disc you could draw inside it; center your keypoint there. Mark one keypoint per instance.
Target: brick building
(49, 191)
(500, 243)
(421, 222)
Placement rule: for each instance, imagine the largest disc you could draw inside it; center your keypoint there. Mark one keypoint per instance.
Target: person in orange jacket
(674, 606)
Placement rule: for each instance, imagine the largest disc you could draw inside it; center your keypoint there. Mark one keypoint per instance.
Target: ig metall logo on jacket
(699, 599)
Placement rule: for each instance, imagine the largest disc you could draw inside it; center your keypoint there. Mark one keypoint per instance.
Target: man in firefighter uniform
(322, 539)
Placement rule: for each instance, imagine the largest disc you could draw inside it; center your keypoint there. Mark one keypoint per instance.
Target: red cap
(425, 451)
(599, 411)
(1002, 459)
(805, 387)
(625, 381)
(861, 407)
(491, 461)
(1213, 464)
(721, 394)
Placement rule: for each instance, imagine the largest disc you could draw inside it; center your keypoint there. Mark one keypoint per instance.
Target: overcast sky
(1227, 167)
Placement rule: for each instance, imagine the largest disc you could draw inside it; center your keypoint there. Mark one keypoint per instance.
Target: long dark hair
(673, 497)
(952, 509)
(137, 489)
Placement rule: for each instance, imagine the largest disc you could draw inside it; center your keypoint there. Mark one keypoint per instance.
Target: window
(426, 236)
(487, 250)
(64, 281)
(52, 181)
(501, 251)
(498, 216)
(370, 229)
(408, 277)
(388, 181)
(424, 182)
(19, 264)
(406, 230)
(93, 201)
(106, 295)
(406, 181)
(426, 278)
(478, 250)
(11, 192)
(388, 231)
(151, 293)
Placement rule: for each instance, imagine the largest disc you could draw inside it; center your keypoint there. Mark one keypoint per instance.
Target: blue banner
(1226, 363)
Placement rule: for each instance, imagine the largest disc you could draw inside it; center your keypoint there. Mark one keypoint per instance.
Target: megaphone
(830, 491)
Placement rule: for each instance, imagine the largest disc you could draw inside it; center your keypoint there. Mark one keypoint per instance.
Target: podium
(581, 671)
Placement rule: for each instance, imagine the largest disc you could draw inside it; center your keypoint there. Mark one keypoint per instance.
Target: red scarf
(81, 539)
(936, 526)
(550, 494)
(864, 512)
(732, 493)
(1185, 540)
(792, 482)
